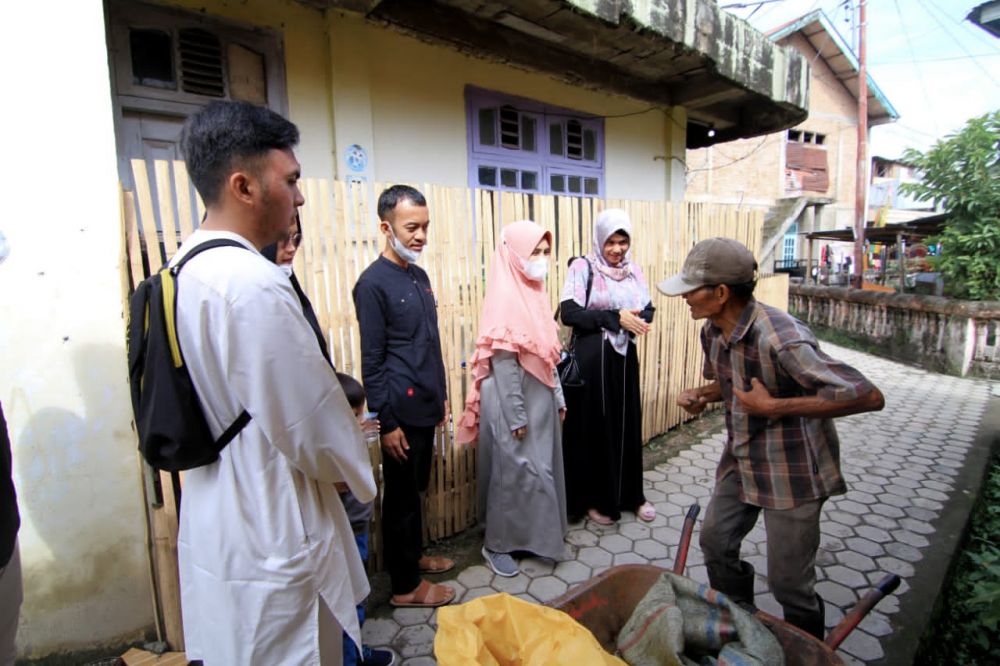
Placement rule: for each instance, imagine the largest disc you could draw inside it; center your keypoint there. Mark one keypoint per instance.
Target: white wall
(63, 377)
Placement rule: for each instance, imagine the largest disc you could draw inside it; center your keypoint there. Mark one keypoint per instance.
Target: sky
(937, 69)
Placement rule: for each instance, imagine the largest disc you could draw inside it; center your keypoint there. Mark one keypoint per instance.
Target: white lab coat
(264, 539)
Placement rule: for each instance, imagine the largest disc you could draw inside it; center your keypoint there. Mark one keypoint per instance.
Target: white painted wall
(63, 377)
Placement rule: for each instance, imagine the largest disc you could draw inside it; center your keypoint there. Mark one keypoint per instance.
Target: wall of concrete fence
(939, 334)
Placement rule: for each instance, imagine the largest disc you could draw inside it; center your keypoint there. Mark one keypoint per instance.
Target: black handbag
(570, 375)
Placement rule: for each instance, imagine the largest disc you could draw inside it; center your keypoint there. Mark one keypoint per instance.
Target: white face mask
(536, 269)
(405, 253)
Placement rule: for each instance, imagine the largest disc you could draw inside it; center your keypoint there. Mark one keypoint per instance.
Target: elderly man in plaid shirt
(782, 455)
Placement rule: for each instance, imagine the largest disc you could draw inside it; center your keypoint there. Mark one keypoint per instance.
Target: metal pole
(862, 181)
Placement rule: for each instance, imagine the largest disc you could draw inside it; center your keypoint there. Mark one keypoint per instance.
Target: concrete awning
(828, 44)
(733, 81)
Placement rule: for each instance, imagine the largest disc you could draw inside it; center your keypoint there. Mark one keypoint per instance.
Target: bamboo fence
(341, 238)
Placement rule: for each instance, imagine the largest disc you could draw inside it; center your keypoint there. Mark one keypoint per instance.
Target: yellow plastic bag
(501, 630)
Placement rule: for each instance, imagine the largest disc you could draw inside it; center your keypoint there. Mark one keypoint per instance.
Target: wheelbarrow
(605, 603)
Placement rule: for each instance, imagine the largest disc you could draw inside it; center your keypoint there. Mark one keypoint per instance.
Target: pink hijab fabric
(517, 317)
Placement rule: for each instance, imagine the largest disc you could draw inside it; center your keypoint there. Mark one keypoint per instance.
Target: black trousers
(402, 508)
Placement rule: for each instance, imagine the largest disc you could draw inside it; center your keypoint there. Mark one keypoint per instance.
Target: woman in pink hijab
(515, 405)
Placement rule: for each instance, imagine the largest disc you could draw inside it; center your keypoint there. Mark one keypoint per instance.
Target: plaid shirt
(781, 462)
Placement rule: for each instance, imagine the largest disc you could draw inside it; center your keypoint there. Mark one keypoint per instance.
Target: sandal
(427, 595)
(599, 517)
(435, 564)
(646, 512)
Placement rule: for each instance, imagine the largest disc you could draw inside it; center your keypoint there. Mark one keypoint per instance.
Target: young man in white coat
(268, 567)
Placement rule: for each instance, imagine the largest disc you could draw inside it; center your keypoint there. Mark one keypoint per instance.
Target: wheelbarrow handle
(884, 587)
(682, 549)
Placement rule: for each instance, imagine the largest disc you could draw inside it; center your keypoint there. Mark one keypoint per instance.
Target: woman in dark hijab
(282, 253)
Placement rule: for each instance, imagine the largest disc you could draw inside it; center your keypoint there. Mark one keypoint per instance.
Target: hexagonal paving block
(668, 487)
(917, 526)
(843, 518)
(669, 536)
(477, 592)
(535, 567)
(920, 513)
(653, 475)
(835, 529)
(414, 641)
(634, 531)
(476, 576)
(861, 645)
(881, 522)
(844, 576)
(895, 500)
(875, 534)
(909, 538)
(408, 617)
(696, 572)
(932, 494)
(514, 585)
(594, 557)
(615, 543)
(856, 561)
(379, 631)
(766, 603)
(581, 538)
(864, 546)
(876, 624)
(629, 558)
(572, 572)
(903, 551)
(938, 485)
(888, 511)
(861, 497)
(547, 587)
(653, 495)
(893, 565)
(837, 594)
(650, 549)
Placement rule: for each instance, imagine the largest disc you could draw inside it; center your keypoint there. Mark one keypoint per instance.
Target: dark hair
(353, 390)
(225, 135)
(391, 196)
(743, 292)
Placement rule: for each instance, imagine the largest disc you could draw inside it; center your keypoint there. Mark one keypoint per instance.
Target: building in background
(805, 176)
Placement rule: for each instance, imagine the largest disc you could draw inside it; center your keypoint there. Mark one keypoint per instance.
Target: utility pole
(862, 182)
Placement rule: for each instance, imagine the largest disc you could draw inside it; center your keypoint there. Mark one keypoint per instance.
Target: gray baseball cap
(712, 261)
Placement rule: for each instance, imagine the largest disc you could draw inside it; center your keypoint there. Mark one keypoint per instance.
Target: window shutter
(805, 168)
(201, 63)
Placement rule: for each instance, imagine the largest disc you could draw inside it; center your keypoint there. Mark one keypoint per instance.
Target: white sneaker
(501, 563)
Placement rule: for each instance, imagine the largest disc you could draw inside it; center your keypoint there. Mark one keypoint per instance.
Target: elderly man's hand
(757, 401)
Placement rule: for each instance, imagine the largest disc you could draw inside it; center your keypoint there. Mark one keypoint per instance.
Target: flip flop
(435, 564)
(599, 517)
(427, 595)
(646, 512)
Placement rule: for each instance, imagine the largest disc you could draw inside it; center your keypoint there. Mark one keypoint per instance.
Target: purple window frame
(540, 160)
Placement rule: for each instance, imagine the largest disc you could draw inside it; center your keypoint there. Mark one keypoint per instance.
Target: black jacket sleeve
(647, 313)
(582, 320)
(369, 305)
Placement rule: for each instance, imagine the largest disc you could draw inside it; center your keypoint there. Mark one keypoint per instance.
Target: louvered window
(168, 55)
(522, 145)
(201, 68)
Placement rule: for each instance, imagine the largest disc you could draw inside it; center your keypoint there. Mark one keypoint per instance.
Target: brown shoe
(426, 595)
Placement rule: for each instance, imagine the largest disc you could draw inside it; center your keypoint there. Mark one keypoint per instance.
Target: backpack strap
(244, 418)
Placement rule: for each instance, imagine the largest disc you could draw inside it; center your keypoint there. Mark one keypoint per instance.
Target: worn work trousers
(792, 542)
(402, 508)
(11, 595)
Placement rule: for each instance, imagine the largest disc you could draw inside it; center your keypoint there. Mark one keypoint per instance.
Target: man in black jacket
(403, 373)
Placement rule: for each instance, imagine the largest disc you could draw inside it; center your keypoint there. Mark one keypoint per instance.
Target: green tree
(962, 173)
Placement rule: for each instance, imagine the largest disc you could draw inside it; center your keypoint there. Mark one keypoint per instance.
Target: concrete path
(909, 469)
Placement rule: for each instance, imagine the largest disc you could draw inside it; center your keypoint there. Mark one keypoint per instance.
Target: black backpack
(173, 433)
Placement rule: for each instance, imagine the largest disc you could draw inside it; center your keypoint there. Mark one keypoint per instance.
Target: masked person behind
(602, 440)
(515, 406)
